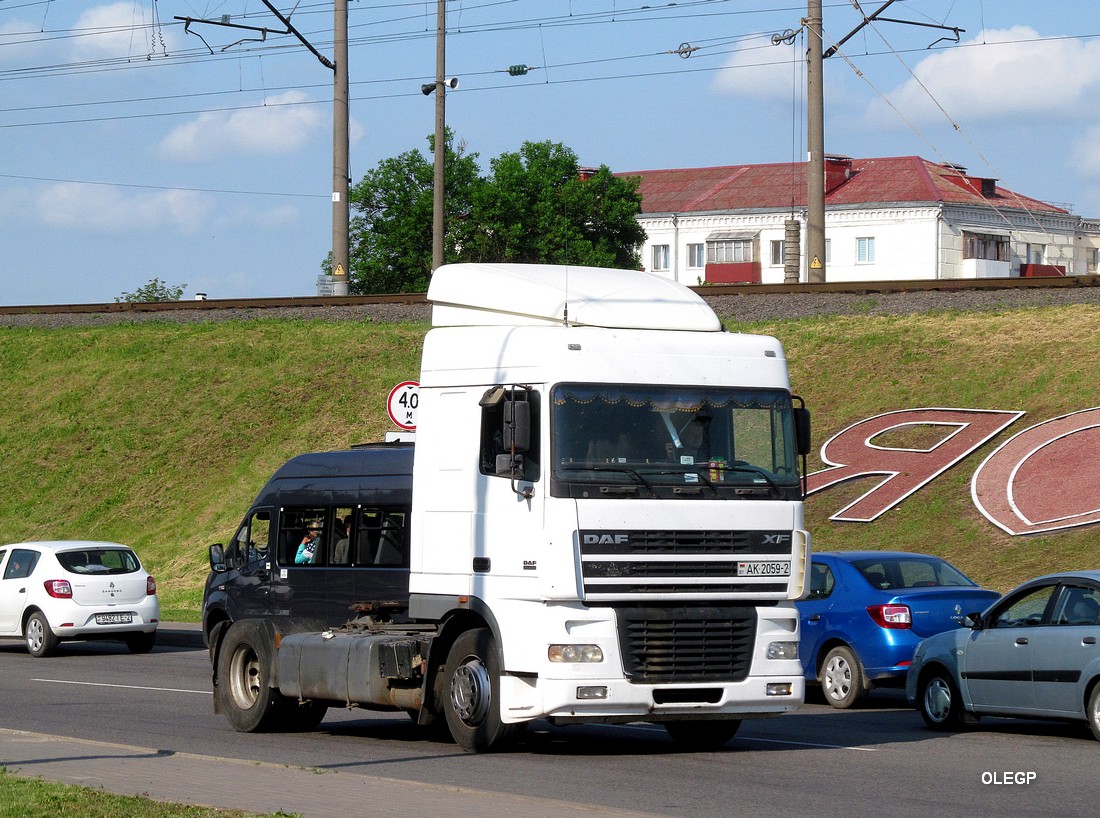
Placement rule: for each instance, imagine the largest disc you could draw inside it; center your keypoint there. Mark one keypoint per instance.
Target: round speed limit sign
(401, 404)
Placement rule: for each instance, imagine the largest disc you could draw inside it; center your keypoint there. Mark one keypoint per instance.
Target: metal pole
(440, 133)
(341, 213)
(815, 138)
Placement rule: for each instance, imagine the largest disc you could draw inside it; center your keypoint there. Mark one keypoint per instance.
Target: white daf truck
(606, 526)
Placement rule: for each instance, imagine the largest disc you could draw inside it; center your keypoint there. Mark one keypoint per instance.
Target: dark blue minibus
(327, 538)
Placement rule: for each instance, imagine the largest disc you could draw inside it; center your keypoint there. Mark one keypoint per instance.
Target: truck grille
(684, 565)
(682, 645)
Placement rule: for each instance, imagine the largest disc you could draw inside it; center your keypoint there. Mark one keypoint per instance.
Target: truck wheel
(472, 700)
(702, 735)
(40, 638)
(298, 717)
(842, 678)
(244, 678)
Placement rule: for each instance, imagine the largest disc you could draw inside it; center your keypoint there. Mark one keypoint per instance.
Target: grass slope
(159, 435)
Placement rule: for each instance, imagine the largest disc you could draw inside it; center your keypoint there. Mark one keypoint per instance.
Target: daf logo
(606, 539)
(776, 539)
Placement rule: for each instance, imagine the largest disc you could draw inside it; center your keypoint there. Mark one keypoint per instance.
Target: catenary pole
(815, 138)
(341, 177)
(438, 197)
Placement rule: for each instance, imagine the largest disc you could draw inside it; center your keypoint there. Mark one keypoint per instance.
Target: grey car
(1034, 653)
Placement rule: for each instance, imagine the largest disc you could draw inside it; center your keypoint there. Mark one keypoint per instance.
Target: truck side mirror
(508, 466)
(517, 425)
(802, 429)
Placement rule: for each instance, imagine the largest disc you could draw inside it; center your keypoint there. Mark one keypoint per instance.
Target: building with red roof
(887, 218)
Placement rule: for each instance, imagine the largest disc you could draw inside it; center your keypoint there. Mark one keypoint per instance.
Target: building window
(729, 251)
(660, 257)
(828, 251)
(865, 250)
(697, 255)
(777, 253)
(1036, 253)
(1092, 260)
(993, 248)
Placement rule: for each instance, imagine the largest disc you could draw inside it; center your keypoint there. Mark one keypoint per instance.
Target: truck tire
(244, 677)
(702, 735)
(472, 698)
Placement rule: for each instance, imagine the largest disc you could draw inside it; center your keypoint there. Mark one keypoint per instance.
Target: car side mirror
(972, 621)
(217, 557)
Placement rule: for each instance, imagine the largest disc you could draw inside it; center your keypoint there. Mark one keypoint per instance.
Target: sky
(136, 145)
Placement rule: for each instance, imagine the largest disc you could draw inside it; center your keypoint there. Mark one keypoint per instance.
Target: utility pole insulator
(517, 70)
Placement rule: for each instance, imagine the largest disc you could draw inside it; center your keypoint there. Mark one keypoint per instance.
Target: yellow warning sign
(815, 264)
(339, 271)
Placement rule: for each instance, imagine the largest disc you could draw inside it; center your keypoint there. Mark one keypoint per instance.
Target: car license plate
(763, 569)
(113, 619)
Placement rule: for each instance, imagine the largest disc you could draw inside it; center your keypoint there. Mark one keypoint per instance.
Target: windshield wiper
(754, 470)
(624, 470)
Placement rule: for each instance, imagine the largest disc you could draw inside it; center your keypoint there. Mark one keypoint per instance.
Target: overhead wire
(957, 128)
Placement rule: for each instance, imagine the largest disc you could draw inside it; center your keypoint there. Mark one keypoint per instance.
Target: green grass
(22, 797)
(1041, 361)
(159, 435)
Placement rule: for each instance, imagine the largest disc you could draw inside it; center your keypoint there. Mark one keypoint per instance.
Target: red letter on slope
(1044, 478)
(852, 454)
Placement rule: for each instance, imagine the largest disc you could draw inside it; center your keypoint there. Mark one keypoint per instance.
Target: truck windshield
(673, 441)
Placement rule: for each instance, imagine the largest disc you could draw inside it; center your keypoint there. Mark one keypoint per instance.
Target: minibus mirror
(217, 557)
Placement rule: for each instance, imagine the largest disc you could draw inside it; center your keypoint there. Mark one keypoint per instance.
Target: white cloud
(284, 124)
(124, 29)
(1003, 75)
(760, 69)
(108, 209)
(1085, 153)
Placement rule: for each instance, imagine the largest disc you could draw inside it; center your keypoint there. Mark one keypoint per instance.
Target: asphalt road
(95, 714)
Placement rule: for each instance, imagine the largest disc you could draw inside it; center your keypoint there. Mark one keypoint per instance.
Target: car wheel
(702, 735)
(939, 701)
(1092, 710)
(472, 699)
(141, 642)
(842, 678)
(41, 640)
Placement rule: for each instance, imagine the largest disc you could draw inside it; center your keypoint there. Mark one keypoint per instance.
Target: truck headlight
(782, 650)
(575, 654)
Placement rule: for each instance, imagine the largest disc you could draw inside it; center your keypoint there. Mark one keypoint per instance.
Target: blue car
(867, 611)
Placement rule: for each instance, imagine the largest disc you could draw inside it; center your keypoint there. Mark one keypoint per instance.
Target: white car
(53, 591)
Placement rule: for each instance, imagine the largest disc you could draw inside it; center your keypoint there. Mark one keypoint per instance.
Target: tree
(155, 290)
(391, 237)
(536, 206)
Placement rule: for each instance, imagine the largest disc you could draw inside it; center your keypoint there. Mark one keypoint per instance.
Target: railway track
(708, 291)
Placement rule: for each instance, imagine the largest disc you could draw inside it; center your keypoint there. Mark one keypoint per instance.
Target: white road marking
(124, 687)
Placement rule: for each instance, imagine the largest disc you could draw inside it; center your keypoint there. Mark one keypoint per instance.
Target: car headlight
(575, 654)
